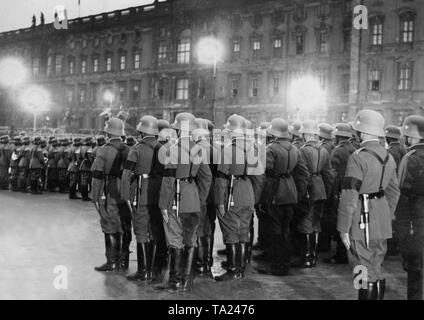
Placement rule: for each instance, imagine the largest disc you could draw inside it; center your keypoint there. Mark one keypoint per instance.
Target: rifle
(364, 223)
(230, 194)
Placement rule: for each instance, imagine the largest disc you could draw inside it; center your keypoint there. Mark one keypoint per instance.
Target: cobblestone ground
(38, 233)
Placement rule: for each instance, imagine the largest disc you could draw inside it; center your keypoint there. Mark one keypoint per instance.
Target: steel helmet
(393, 132)
(279, 128)
(184, 121)
(295, 130)
(203, 124)
(115, 127)
(148, 125)
(167, 134)
(413, 127)
(370, 122)
(236, 123)
(309, 127)
(325, 130)
(162, 124)
(248, 124)
(342, 130)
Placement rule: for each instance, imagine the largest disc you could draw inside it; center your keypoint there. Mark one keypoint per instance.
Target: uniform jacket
(398, 151)
(298, 142)
(14, 156)
(25, 156)
(286, 174)
(143, 160)
(338, 158)
(85, 158)
(328, 145)
(363, 176)
(74, 156)
(243, 191)
(63, 162)
(108, 168)
(322, 175)
(410, 210)
(37, 158)
(182, 165)
(5, 154)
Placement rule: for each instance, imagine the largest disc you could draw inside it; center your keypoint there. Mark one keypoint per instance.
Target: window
(137, 60)
(201, 89)
(82, 95)
(135, 95)
(122, 63)
(49, 65)
(236, 49)
(407, 28)
(275, 86)
(374, 80)
(256, 46)
(277, 45)
(96, 42)
(109, 64)
(377, 32)
(59, 61)
(83, 66)
(323, 41)
(71, 67)
(35, 66)
(96, 65)
(93, 95)
(162, 52)
(405, 78)
(183, 51)
(122, 91)
(182, 89)
(234, 87)
(72, 44)
(84, 43)
(255, 87)
(109, 40)
(70, 95)
(300, 44)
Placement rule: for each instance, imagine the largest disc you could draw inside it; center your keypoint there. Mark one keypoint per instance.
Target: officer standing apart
(141, 183)
(286, 181)
(370, 185)
(185, 185)
(410, 211)
(106, 173)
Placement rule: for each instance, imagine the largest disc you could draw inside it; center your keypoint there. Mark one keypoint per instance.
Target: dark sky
(17, 14)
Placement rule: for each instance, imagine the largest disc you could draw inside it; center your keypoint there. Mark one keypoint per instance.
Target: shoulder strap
(115, 169)
(382, 162)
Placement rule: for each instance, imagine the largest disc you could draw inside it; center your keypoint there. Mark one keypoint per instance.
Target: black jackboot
(208, 246)
(307, 259)
(125, 251)
(175, 274)
(187, 282)
(415, 285)
(241, 258)
(118, 251)
(231, 273)
(381, 288)
(280, 266)
(141, 274)
(84, 193)
(110, 245)
(314, 249)
(200, 257)
(73, 192)
(152, 266)
(370, 293)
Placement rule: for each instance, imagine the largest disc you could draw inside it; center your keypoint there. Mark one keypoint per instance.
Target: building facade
(144, 60)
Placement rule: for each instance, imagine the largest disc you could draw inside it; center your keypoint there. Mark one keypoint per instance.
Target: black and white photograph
(208, 155)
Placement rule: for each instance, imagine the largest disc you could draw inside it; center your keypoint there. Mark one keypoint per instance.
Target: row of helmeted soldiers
(317, 183)
(54, 164)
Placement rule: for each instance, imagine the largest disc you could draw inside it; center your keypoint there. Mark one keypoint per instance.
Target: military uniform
(236, 203)
(63, 165)
(52, 165)
(141, 182)
(193, 181)
(311, 205)
(85, 161)
(286, 179)
(36, 166)
(409, 223)
(24, 158)
(370, 171)
(338, 159)
(4, 162)
(107, 172)
(14, 161)
(73, 169)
